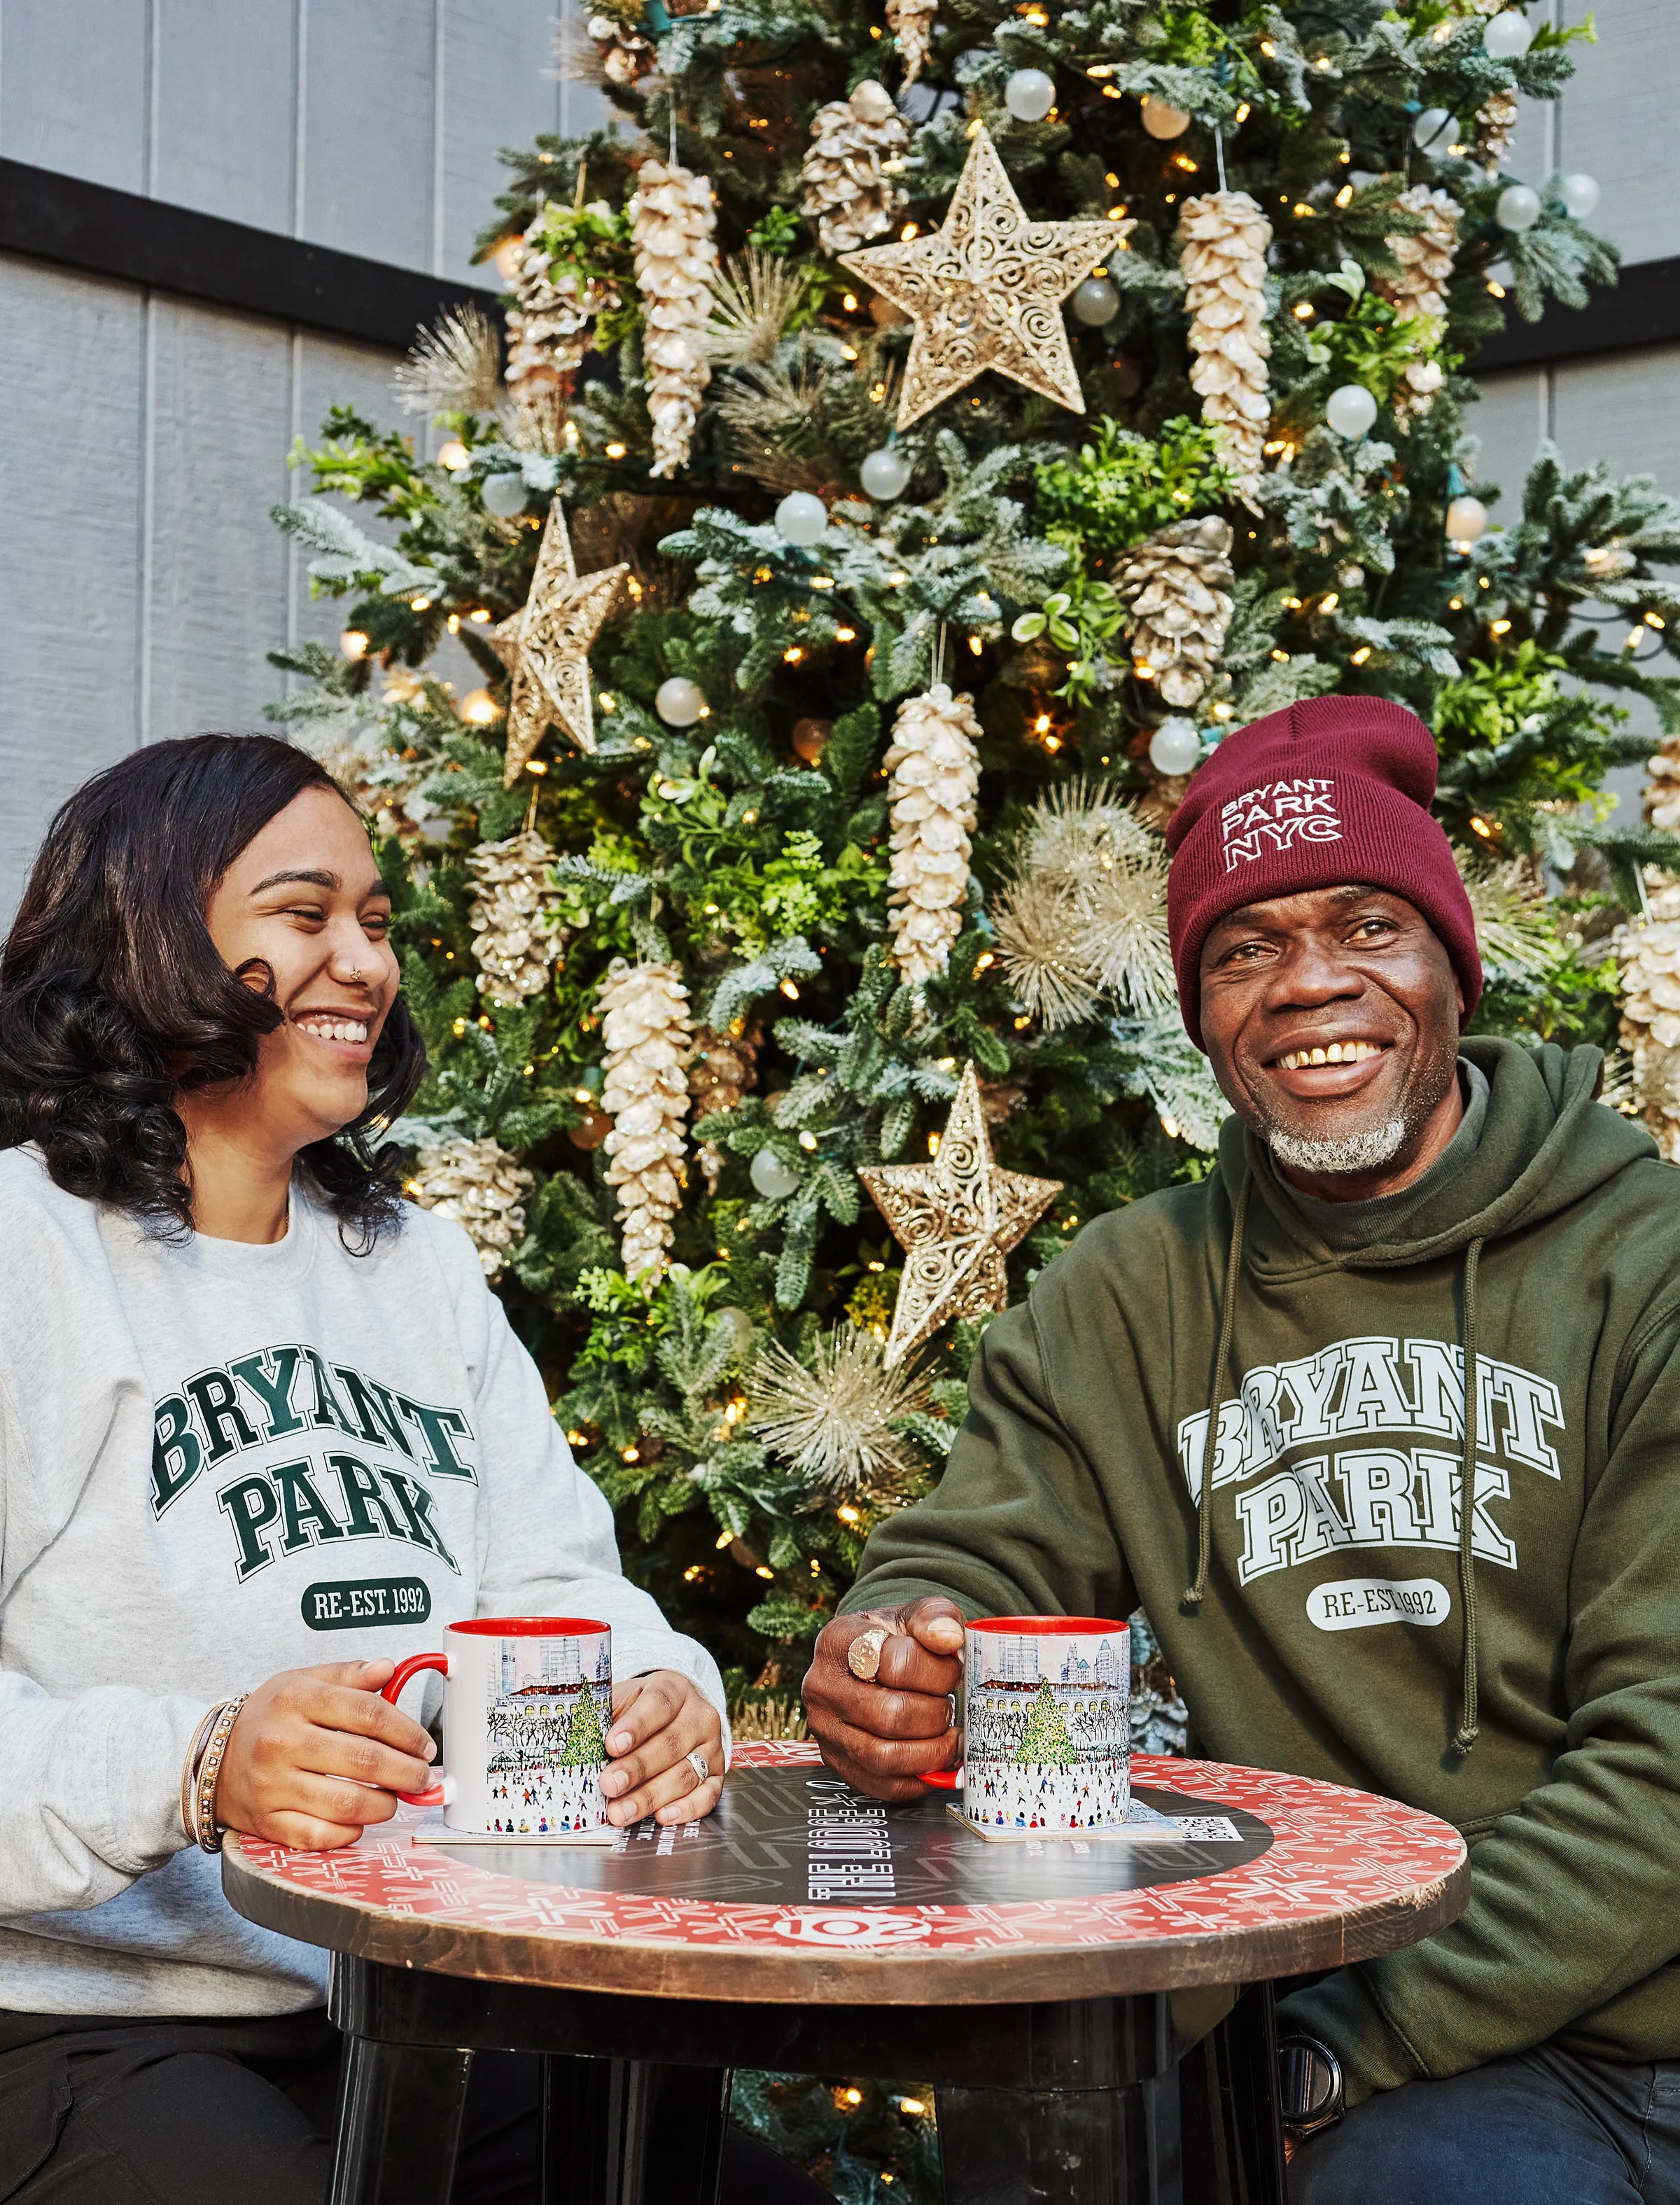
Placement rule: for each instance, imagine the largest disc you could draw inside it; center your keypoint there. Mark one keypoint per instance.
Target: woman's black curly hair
(114, 999)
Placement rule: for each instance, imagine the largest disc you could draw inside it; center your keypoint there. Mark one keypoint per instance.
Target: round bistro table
(1049, 1990)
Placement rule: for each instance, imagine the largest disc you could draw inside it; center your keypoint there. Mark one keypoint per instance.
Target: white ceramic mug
(1047, 1737)
(527, 1704)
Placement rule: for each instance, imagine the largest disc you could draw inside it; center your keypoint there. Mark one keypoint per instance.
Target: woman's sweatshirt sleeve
(1575, 1895)
(546, 1541)
(90, 1785)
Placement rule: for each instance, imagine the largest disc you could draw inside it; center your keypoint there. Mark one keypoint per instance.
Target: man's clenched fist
(885, 1713)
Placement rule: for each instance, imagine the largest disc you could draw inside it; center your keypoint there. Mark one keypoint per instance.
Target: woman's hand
(658, 1720)
(315, 1754)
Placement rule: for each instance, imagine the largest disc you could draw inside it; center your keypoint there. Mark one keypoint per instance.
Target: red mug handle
(433, 1796)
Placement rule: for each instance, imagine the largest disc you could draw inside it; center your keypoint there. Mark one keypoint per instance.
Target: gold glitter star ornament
(956, 1219)
(986, 289)
(546, 646)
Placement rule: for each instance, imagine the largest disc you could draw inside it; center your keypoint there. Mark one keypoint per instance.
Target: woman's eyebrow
(313, 878)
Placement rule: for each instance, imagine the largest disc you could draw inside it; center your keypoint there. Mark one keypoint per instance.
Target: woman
(237, 1374)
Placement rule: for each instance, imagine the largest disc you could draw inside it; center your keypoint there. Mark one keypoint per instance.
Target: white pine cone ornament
(1495, 130)
(514, 934)
(1662, 794)
(553, 325)
(645, 1026)
(1177, 588)
(1651, 1016)
(933, 784)
(911, 23)
(1223, 239)
(1419, 291)
(851, 191)
(676, 265)
(723, 1070)
(625, 56)
(481, 1186)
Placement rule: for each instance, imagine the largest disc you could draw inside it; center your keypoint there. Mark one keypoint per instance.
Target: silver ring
(702, 1766)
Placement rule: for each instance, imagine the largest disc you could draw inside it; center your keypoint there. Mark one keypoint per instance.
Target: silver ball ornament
(1161, 119)
(734, 1321)
(1351, 410)
(1175, 748)
(1352, 578)
(1581, 195)
(1434, 130)
(801, 517)
(1508, 35)
(1518, 207)
(1466, 519)
(772, 1178)
(1029, 95)
(1095, 301)
(504, 495)
(884, 474)
(679, 701)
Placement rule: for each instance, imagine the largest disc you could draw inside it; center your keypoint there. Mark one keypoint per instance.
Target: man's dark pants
(1544, 2128)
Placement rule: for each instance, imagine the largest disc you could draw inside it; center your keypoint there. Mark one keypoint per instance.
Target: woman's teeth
(351, 1029)
(1338, 1052)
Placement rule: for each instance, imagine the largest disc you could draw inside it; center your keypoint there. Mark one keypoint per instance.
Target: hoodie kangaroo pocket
(35, 2100)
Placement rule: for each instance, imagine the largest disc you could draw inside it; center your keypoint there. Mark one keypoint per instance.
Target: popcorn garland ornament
(515, 939)
(956, 1219)
(933, 781)
(644, 1022)
(676, 266)
(985, 290)
(1176, 585)
(545, 645)
(1223, 240)
(483, 1187)
(856, 145)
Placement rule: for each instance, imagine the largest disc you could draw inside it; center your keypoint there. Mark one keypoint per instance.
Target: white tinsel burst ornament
(676, 265)
(1651, 1015)
(911, 23)
(1085, 914)
(933, 782)
(514, 935)
(832, 1421)
(645, 1026)
(851, 191)
(484, 1189)
(1176, 585)
(1223, 239)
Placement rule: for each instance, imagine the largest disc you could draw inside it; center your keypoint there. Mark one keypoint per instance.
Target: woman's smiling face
(304, 898)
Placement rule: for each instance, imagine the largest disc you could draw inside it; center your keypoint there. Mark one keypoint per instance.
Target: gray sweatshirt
(218, 1461)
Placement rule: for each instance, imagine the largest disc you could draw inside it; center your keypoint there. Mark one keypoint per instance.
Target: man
(1389, 1207)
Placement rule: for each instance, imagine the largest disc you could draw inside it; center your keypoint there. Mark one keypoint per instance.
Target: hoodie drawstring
(1195, 1592)
(1468, 1725)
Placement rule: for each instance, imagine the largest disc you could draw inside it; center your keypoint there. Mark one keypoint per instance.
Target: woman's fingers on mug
(364, 1760)
(362, 1712)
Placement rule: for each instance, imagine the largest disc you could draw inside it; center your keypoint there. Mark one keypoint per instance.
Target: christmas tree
(585, 1745)
(922, 433)
(1044, 1743)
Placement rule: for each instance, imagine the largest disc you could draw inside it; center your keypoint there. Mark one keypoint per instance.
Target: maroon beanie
(1331, 791)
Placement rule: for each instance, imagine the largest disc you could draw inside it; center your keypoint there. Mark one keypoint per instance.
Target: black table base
(1092, 2103)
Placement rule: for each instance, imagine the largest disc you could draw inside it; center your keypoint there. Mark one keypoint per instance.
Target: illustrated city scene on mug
(1047, 1737)
(547, 1722)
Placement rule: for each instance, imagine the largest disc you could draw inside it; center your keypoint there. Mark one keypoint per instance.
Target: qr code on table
(1210, 1829)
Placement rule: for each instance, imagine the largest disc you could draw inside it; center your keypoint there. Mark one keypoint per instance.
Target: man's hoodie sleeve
(1017, 1523)
(1575, 1895)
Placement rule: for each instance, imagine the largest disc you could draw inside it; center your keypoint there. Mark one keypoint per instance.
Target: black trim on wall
(1643, 308)
(226, 263)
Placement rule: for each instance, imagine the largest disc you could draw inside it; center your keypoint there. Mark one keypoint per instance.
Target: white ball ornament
(772, 1178)
(1161, 119)
(1351, 410)
(884, 474)
(1029, 95)
(1095, 301)
(1175, 748)
(1434, 130)
(679, 701)
(1466, 519)
(503, 495)
(1352, 578)
(1508, 35)
(1518, 207)
(801, 517)
(1581, 195)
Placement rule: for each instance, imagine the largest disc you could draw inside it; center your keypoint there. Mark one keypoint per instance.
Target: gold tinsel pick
(545, 645)
(956, 1219)
(831, 1421)
(986, 289)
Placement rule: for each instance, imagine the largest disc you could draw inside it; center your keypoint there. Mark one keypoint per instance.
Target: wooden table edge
(654, 1967)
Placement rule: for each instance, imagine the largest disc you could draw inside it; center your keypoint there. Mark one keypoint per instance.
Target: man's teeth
(1338, 1052)
(335, 1029)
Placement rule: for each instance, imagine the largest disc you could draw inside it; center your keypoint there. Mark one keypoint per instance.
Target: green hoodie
(1550, 1233)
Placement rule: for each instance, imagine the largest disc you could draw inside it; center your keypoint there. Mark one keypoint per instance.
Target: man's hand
(658, 1720)
(316, 1754)
(881, 1732)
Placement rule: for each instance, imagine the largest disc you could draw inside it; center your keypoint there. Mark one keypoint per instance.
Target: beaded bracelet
(189, 1772)
(205, 1830)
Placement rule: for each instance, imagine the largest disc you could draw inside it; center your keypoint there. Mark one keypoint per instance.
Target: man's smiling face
(1330, 1020)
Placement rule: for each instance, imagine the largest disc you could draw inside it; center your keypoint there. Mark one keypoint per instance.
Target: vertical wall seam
(300, 111)
(439, 47)
(152, 91)
(294, 489)
(148, 400)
